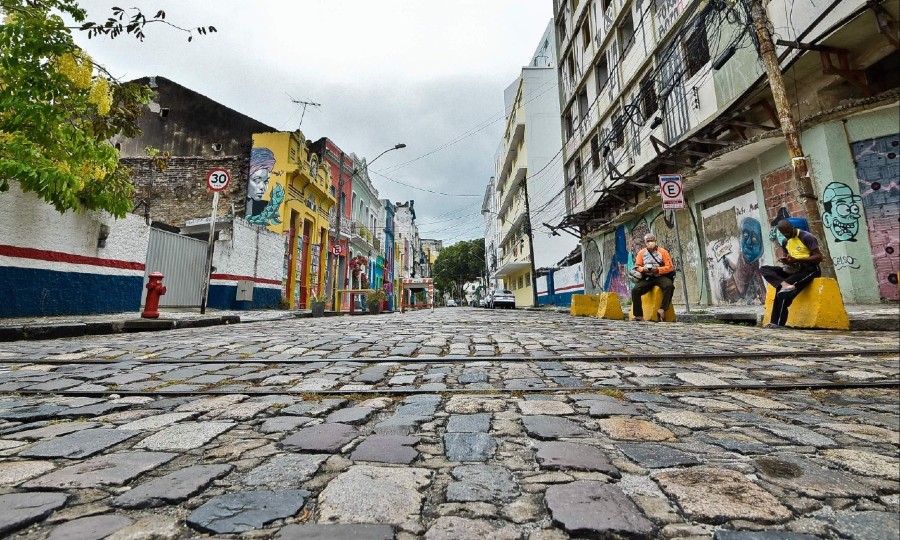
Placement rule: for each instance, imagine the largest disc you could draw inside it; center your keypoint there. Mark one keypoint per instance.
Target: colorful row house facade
(289, 192)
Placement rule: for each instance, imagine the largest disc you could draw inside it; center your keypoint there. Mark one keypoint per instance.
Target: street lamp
(337, 230)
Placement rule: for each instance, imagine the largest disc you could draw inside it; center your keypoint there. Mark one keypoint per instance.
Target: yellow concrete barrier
(610, 307)
(651, 303)
(584, 305)
(819, 305)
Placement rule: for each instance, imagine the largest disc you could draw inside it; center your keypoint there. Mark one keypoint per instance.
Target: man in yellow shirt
(656, 265)
(801, 257)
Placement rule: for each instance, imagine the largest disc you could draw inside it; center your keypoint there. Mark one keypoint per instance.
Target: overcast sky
(419, 72)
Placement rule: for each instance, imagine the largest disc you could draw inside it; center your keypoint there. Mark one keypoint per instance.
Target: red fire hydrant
(155, 289)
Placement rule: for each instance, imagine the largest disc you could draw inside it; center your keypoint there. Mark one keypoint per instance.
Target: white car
(503, 298)
(451, 303)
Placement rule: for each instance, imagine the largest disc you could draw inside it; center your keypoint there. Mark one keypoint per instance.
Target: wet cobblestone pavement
(459, 424)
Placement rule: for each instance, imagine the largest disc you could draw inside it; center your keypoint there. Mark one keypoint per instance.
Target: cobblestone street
(462, 423)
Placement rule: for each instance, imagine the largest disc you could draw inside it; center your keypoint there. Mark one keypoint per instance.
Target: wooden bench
(819, 305)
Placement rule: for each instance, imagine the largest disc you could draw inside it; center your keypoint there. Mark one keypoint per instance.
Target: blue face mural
(751, 240)
(842, 211)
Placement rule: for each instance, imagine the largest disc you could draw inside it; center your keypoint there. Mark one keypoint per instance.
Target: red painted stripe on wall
(232, 277)
(57, 256)
(569, 288)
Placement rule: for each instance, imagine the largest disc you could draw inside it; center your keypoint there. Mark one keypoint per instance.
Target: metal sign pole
(687, 304)
(209, 253)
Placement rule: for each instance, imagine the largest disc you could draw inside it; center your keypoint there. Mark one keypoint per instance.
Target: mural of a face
(262, 161)
(259, 181)
(751, 240)
(842, 211)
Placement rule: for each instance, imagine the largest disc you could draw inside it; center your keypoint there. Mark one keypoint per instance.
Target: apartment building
(650, 87)
(528, 177)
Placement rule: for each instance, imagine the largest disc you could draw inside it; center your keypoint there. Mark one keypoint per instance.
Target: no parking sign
(672, 191)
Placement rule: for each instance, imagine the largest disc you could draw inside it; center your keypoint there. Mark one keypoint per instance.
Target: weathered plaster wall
(50, 263)
(247, 252)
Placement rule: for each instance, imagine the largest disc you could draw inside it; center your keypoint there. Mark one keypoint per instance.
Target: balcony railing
(345, 226)
(363, 232)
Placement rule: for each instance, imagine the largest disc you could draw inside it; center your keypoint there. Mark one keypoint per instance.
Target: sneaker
(772, 326)
(786, 290)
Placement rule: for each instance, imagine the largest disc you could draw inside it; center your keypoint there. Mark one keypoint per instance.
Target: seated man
(801, 257)
(656, 265)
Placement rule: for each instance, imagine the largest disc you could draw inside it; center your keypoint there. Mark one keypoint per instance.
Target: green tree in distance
(458, 264)
(58, 109)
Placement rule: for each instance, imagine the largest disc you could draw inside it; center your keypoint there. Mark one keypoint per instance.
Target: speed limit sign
(218, 179)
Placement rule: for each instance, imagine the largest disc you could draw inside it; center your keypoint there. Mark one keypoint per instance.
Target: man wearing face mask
(801, 257)
(656, 265)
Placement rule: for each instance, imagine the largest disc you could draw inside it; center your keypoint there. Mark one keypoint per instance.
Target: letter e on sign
(670, 189)
(218, 179)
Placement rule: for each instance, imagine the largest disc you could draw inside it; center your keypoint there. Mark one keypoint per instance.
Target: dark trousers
(642, 288)
(776, 275)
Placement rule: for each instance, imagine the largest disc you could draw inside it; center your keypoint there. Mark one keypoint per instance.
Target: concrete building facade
(529, 177)
(650, 88)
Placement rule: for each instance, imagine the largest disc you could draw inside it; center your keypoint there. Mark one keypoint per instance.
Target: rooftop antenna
(304, 104)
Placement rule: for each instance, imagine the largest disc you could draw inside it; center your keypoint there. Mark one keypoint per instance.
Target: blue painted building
(388, 245)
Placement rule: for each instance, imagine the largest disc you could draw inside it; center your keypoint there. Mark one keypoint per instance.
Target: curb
(34, 332)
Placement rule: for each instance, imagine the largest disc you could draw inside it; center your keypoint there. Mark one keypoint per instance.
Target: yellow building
(289, 192)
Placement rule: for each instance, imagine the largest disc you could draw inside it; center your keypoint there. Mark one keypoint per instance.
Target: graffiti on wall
(734, 249)
(258, 210)
(593, 263)
(608, 257)
(842, 211)
(878, 172)
(616, 249)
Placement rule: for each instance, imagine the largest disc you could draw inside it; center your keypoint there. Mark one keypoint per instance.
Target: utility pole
(802, 184)
(534, 293)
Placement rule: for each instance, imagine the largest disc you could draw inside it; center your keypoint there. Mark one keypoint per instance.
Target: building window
(570, 129)
(696, 50)
(570, 65)
(618, 129)
(586, 33)
(583, 103)
(605, 5)
(576, 178)
(561, 31)
(626, 34)
(649, 103)
(602, 73)
(595, 151)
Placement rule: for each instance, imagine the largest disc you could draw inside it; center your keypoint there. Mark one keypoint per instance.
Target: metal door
(181, 260)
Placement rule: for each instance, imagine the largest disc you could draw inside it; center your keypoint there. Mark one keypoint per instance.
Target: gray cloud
(420, 73)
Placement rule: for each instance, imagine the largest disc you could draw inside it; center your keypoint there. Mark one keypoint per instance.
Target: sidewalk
(875, 317)
(81, 325)
(879, 317)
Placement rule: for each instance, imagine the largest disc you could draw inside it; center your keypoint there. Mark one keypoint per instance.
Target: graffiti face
(751, 240)
(259, 211)
(259, 182)
(842, 211)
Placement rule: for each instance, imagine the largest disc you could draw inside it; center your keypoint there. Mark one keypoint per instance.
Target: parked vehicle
(451, 303)
(502, 298)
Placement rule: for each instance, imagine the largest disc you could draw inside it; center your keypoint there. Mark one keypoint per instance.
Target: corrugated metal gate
(181, 260)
